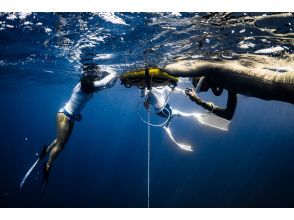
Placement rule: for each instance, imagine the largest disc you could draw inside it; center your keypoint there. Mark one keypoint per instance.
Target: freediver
(203, 84)
(92, 80)
(156, 86)
(158, 98)
(254, 81)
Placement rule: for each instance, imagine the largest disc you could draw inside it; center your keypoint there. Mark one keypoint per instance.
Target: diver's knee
(60, 147)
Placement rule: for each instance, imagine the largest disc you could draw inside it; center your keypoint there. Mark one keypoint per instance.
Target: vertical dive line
(148, 160)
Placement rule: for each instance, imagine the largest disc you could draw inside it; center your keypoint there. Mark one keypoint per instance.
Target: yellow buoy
(157, 78)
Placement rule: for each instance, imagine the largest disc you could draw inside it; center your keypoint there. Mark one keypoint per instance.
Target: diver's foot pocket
(43, 152)
(45, 177)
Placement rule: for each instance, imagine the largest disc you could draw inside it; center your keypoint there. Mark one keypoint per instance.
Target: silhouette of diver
(251, 80)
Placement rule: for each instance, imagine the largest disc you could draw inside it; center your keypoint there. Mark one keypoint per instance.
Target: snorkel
(197, 83)
(203, 84)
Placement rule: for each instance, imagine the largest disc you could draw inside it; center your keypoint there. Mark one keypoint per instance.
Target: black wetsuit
(259, 83)
(227, 112)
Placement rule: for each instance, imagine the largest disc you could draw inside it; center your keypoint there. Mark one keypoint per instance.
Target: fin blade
(182, 146)
(28, 173)
(213, 121)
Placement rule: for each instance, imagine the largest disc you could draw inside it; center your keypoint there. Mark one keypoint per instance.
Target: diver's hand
(146, 104)
(190, 93)
(193, 96)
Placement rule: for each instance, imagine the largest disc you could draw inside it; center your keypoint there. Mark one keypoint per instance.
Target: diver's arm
(147, 95)
(143, 92)
(105, 81)
(226, 113)
(229, 111)
(178, 90)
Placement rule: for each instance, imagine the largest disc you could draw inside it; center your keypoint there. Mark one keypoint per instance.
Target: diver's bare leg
(64, 130)
(51, 146)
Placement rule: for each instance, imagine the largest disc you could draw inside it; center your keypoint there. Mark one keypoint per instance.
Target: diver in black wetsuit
(252, 80)
(203, 84)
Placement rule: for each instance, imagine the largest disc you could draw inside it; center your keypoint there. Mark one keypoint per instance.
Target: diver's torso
(259, 83)
(159, 98)
(77, 101)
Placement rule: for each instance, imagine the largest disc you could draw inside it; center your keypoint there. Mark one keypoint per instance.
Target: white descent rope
(148, 158)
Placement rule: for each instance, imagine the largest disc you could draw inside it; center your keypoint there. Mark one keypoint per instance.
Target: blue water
(104, 163)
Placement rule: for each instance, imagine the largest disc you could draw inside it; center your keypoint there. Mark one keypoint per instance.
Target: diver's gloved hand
(192, 95)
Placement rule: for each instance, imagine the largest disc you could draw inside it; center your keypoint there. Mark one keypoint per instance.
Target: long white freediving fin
(182, 146)
(27, 174)
(40, 157)
(213, 121)
(207, 119)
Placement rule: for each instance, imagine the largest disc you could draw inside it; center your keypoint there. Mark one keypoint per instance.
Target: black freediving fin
(43, 185)
(41, 156)
(45, 178)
